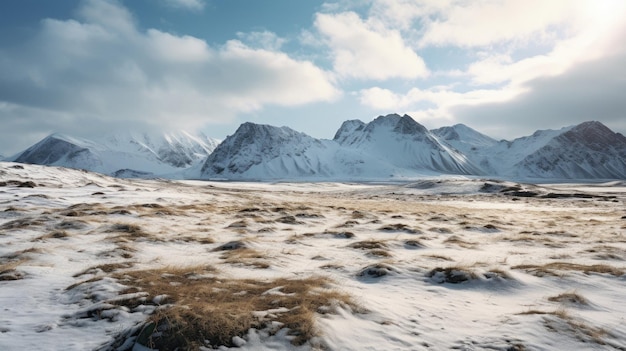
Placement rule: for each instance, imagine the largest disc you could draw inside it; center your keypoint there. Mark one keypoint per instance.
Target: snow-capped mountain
(258, 151)
(464, 138)
(178, 149)
(403, 143)
(589, 150)
(388, 147)
(494, 157)
(124, 154)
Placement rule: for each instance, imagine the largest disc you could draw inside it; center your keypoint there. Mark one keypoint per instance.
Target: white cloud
(264, 40)
(441, 96)
(193, 5)
(485, 22)
(403, 13)
(177, 49)
(368, 50)
(109, 15)
(591, 40)
(528, 52)
(102, 73)
(381, 99)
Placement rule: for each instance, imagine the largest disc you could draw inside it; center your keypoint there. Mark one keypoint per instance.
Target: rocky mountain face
(403, 143)
(464, 138)
(391, 147)
(57, 149)
(259, 151)
(125, 154)
(589, 150)
(177, 149)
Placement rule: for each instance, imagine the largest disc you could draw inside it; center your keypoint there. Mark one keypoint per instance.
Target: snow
(389, 148)
(128, 153)
(396, 147)
(486, 237)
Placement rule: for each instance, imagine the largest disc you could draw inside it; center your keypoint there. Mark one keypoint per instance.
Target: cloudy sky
(503, 67)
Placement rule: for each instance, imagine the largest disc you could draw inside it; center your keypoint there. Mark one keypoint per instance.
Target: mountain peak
(249, 131)
(399, 124)
(459, 135)
(264, 149)
(347, 128)
(595, 135)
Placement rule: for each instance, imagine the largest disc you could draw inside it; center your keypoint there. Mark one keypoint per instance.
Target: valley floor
(86, 261)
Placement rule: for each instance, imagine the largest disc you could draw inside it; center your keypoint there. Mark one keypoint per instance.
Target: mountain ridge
(391, 147)
(146, 154)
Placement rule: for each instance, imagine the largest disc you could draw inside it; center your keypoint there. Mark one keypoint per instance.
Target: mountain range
(127, 154)
(391, 147)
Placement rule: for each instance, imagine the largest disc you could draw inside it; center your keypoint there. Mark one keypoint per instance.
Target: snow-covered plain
(437, 264)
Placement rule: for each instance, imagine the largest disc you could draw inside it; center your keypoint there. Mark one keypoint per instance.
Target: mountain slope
(403, 143)
(177, 149)
(388, 147)
(137, 155)
(501, 158)
(62, 150)
(589, 150)
(464, 138)
(258, 151)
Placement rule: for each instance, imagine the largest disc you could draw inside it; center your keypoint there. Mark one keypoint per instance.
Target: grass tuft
(551, 268)
(209, 312)
(572, 298)
(368, 245)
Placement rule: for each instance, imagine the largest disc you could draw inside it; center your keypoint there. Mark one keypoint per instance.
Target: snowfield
(93, 262)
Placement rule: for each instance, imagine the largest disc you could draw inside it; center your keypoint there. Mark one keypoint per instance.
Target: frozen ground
(431, 265)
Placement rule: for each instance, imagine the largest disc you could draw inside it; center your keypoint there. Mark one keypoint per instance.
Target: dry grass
(246, 257)
(399, 227)
(57, 234)
(439, 257)
(565, 323)
(440, 230)
(457, 240)
(339, 235)
(205, 308)
(376, 270)
(8, 270)
(369, 245)
(530, 238)
(104, 268)
(561, 313)
(23, 223)
(380, 253)
(71, 225)
(412, 243)
(21, 254)
(459, 274)
(205, 240)
(452, 275)
(606, 252)
(129, 232)
(572, 298)
(125, 228)
(553, 267)
(238, 224)
(333, 266)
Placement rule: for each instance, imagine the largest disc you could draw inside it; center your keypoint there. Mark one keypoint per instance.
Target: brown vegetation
(553, 267)
(204, 308)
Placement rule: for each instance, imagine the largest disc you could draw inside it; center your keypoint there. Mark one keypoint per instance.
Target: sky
(503, 67)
